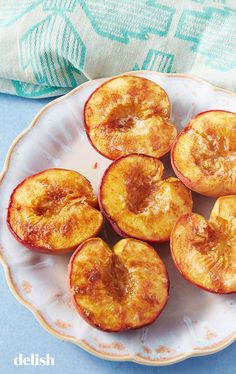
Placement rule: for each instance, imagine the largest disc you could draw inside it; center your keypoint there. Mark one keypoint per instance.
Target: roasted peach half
(204, 154)
(54, 211)
(129, 114)
(205, 251)
(138, 203)
(117, 289)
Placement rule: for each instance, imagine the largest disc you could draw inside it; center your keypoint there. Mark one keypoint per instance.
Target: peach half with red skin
(54, 211)
(203, 155)
(205, 251)
(129, 114)
(138, 203)
(118, 289)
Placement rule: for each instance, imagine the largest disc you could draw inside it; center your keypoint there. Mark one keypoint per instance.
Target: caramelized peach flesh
(54, 211)
(204, 154)
(129, 114)
(205, 251)
(117, 289)
(138, 203)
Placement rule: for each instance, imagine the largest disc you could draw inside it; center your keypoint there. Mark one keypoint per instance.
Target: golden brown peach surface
(138, 203)
(54, 211)
(204, 154)
(116, 289)
(205, 251)
(129, 114)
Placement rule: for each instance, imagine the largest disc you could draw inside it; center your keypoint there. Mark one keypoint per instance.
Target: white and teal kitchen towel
(48, 47)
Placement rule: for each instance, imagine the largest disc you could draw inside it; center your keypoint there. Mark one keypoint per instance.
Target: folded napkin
(50, 46)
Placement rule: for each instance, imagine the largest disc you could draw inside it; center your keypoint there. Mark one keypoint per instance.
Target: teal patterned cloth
(50, 46)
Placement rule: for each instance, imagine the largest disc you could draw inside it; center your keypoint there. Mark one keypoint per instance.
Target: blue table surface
(21, 333)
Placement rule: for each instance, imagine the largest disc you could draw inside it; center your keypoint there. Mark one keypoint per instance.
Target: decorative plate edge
(81, 343)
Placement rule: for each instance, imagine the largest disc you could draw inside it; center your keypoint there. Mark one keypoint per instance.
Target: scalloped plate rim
(110, 357)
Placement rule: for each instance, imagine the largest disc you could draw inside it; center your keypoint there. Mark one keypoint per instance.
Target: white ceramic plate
(194, 322)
